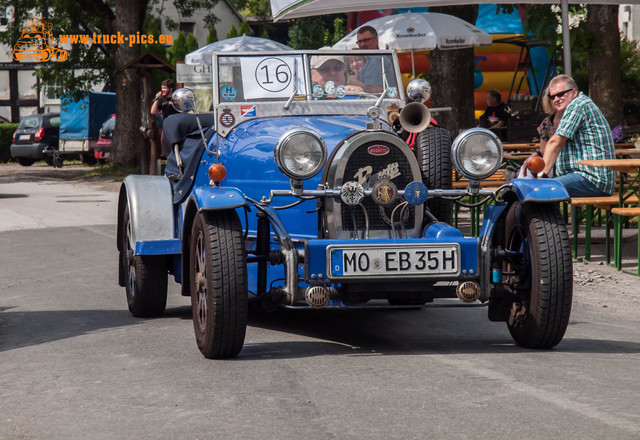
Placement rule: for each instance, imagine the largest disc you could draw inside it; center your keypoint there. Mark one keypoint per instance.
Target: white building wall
(223, 10)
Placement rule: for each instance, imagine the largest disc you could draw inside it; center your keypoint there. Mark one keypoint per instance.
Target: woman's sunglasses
(559, 94)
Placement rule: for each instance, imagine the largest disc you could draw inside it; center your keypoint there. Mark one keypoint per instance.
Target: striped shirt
(588, 137)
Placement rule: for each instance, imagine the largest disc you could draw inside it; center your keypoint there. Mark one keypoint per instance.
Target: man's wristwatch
(542, 175)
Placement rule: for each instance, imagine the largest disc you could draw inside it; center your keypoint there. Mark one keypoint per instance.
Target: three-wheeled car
(300, 190)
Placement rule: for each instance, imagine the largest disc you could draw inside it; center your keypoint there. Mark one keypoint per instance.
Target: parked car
(300, 192)
(35, 135)
(102, 150)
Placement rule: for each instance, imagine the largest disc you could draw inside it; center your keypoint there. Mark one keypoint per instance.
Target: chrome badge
(384, 192)
(352, 193)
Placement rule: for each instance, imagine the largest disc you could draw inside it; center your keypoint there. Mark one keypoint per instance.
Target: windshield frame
(229, 113)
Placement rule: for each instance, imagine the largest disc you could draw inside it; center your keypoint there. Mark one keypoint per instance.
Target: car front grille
(358, 164)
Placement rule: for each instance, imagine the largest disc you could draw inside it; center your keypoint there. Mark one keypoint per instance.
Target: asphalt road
(75, 365)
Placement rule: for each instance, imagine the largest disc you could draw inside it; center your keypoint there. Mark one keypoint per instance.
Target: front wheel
(218, 282)
(145, 276)
(544, 276)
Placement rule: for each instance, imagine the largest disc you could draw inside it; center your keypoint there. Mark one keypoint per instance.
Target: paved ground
(75, 365)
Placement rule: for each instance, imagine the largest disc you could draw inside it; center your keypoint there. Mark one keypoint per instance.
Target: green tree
(233, 32)
(192, 44)
(212, 36)
(245, 29)
(90, 64)
(317, 32)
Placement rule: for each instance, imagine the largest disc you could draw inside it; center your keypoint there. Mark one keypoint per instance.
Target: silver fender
(150, 208)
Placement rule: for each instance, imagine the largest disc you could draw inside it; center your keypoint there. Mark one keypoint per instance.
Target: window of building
(53, 91)
(4, 19)
(187, 27)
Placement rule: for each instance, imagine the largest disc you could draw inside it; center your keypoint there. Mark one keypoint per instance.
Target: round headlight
(477, 153)
(300, 154)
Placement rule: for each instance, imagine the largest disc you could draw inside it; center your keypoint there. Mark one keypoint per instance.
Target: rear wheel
(25, 161)
(218, 280)
(145, 276)
(433, 150)
(544, 277)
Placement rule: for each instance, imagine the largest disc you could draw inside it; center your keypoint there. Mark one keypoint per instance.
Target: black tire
(145, 277)
(48, 159)
(433, 151)
(546, 272)
(218, 283)
(25, 161)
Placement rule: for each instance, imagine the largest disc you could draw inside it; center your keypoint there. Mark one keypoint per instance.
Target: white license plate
(25, 137)
(394, 261)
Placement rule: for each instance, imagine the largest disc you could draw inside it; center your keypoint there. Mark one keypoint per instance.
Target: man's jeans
(578, 186)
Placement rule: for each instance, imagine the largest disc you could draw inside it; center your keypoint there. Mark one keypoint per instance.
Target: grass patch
(111, 170)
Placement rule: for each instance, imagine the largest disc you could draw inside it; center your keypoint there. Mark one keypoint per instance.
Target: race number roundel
(273, 74)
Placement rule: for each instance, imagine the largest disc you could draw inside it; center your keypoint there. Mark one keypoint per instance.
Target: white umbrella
(411, 32)
(303, 8)
(237, 44)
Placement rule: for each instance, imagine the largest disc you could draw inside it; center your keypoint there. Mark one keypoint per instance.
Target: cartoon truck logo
(36, 42)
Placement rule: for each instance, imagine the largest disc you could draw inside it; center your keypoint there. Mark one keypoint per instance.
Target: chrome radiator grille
(364, 160)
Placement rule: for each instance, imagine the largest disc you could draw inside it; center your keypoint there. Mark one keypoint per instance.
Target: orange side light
(217, 172)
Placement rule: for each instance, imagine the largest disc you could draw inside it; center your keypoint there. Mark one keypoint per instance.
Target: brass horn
(414, 117)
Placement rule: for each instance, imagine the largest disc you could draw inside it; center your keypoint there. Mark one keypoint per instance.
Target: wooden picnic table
(528, 146)
(627, 152)
(620, 165)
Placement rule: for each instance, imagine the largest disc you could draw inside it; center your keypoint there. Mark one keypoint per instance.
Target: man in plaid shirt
(583, 134)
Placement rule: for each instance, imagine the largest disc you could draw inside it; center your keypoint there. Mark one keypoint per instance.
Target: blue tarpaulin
(82, 119)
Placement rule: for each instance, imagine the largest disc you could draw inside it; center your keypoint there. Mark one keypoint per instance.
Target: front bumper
(326, 262)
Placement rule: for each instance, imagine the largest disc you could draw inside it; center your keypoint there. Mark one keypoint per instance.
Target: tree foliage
(316, 32)
(212, 36)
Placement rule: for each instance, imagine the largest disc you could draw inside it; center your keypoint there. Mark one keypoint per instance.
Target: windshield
(317, 75)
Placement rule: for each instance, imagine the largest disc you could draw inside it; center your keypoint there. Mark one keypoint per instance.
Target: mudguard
(540, 190)
(217, 198)
(151, 214)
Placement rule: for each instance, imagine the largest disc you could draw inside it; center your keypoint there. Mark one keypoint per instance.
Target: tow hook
(518, 314)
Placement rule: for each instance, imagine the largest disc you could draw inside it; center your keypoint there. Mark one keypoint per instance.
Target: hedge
(6, 137)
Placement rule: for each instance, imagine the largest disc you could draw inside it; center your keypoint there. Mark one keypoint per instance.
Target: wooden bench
(494, 181)
(590, 204)
(618, 213)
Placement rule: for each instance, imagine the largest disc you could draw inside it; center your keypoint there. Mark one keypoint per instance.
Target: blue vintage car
(301, 190)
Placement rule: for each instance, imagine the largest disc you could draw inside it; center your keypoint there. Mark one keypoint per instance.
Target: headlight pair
(300, 154)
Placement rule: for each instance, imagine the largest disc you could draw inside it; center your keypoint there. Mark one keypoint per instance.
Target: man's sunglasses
(364, 40)
(334, 67)
(559, 94)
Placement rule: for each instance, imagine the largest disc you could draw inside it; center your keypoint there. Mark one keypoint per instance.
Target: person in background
(370, 76)
(328, 68)
(547, 127)
(355, 64)
(162, 102)
(582, 134)
(496, 115)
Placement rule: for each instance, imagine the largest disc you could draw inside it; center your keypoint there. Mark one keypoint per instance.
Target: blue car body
(356, 231)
